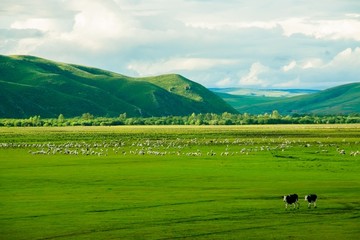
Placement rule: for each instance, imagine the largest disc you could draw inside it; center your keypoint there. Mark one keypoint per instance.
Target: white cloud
(176, 65)
(42, 24)
(98, 24)
(316, 73)
(348, 58)
(312, 63)
(353, 15)
(218, 25)
(345, 59)
(323, 29)
(225, 82)
(253, 77)
(290, 66)
(216, 43)
(27, 45)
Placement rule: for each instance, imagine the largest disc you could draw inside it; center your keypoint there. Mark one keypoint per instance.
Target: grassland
(179, 182)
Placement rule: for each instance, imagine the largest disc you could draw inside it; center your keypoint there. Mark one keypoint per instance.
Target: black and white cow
(291, 199)
(311, 198)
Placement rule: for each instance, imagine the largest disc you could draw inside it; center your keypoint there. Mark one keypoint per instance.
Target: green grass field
(179, 182)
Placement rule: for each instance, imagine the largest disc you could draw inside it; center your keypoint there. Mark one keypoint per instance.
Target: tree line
(225, 118)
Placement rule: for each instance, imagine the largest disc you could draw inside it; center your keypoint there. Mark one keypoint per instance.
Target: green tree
(87, 116)
(275, 114)
(122, 116)
(61, 119)
(35, 121)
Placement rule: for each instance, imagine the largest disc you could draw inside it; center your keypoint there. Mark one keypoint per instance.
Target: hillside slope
(36, 86)
(245, 103)
(342, 99)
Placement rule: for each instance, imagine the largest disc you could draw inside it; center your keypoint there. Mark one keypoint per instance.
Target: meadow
(172, 182)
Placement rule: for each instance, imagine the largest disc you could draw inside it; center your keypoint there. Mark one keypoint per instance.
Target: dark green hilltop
(343, 99)
(35, 86)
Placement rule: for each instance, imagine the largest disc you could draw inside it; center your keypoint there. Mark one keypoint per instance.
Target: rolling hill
(35, 86)
(344, 99)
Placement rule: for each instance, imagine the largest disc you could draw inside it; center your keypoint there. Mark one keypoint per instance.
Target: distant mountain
(245, 103)
(264, 92)
(35, 86)
(342, 99)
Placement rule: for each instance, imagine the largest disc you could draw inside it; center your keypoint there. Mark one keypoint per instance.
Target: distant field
(185, 182)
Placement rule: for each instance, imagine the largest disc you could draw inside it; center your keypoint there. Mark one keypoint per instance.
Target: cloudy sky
(218, 43)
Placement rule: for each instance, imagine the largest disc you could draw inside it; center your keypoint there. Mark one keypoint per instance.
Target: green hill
(344, 99)
(35, 86)
(244, 103)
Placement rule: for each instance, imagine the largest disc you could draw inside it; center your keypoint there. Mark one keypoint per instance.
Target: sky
(218, 43)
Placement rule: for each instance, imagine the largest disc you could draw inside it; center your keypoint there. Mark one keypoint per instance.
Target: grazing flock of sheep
(181, 147)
